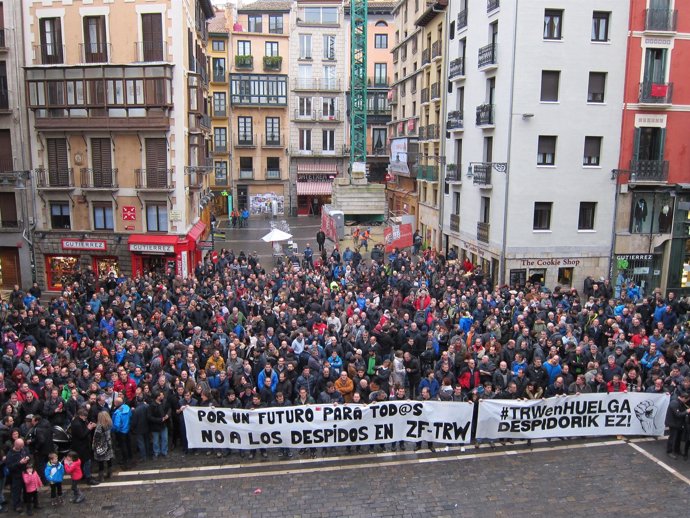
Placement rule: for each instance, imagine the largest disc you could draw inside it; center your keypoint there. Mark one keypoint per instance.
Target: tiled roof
(267, 5)
(218, 24)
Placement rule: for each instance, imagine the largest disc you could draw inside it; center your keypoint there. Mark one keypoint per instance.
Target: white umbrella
(276, 235)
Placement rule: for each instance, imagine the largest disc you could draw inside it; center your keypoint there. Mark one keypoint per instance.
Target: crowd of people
(116, 364)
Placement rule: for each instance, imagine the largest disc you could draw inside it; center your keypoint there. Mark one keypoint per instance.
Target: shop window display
(62, 270)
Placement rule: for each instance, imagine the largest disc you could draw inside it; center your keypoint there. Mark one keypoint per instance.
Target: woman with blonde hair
(103, 445)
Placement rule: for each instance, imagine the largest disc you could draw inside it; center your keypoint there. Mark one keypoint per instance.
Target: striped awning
(317, 166)
(314, 188)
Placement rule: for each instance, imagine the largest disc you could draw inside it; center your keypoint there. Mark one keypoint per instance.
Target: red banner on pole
(397, 236)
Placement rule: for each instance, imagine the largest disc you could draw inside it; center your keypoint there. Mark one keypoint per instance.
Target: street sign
(205, 245)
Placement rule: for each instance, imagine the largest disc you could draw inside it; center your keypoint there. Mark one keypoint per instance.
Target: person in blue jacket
(54, 474)
(122, 416)
(268, 372)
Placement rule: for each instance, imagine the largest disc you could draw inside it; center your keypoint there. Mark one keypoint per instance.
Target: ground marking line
(328, 468)
(660, 463)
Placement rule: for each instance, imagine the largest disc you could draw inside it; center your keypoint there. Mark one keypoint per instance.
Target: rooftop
(218, 24)
(267, 5)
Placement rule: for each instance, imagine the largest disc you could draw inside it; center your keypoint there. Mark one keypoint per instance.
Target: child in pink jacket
(31, 484)
(73, 468)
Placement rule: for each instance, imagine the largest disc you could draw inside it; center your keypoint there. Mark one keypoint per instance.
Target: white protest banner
(329, 425)
(635, 413)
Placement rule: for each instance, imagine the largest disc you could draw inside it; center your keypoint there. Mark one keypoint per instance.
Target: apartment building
(16, 196)
(652, 221)
(380, 33)
(217, 50)
(534, 123)
(434, 38)
(120, 135)
(259, 122)
(317, 105)
(405, 100)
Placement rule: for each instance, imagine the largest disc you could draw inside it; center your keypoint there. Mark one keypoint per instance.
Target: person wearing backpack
(103, 445)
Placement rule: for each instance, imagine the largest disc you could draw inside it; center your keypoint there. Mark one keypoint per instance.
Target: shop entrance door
(157, 264)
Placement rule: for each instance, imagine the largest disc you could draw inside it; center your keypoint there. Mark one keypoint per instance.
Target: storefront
(75, 254)
(160, 254)
(641, 270)
(566, 272)
(314, 185)
(10, 271)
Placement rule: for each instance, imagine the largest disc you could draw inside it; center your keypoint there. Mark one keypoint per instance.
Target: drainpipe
(442, 123)
(502, 264)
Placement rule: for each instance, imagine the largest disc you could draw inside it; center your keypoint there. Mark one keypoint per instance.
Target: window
(546, 154)
(221, 173)
(380, 74)
(542, 215)
(485, 210)
(329, 107)
(220, 139)
(275, 23)
(245, 130)
(95, 41)
(565, 276)
(51, 41)
(58, 168)
(549, 85)
(272, 167)
(305, 107)
(592, 151)
(101, 163)
(655, 65)
(219, 70)
(103, 216)
(381, 41)
(244, 48)
(218, 45)
(152, 37)
(381, 23)
(329, 77)
(254, 23)
(246, 167)
(272, 49)
(652, 213)
(4, 97)
(600, 26)
(595, 89)
(329, 46)
(649, 144)
(273, 131)
(553, 24)
(321, 15)
(379, 140)
(305, 140)
(585, 220)
(328, 140)
(305, 46)
(219, 104)
(157, 217)
(59, 215)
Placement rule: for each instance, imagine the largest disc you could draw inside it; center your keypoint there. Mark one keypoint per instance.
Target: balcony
(492, 5)
(273, 140)
(487, 56)
(4, 40)
(116, 97)
(332, 116)
(310, 83)
(273, 63)
(428, 173)
(455, 222)
(393, 97)
(485, 115)
(481, 175)
(219, 76)
(454, 122)
(436, 48)
(205, 121)
(432, 132)
(201, 71)
(457, 69)
(99, 179)
(151, 51)
(435, 91)
(462, 19)
(648, 170)
(49, 54)
(195, 178)
(94, 52)
(319, 152)
(246, 174)
(155, 179)
(422, 133)
(660, 20)
(272, 174)
(246, 140)
(426, 57)
(454, 173)
(220, 113)
(299, 115)
(204, 166)
(220, 149)
(424, 95)
(258, 89)
(6, 165)
(656, 94)
(62, 179)
(244, 62)
(378, 82)
(380, 151)
(482, 232)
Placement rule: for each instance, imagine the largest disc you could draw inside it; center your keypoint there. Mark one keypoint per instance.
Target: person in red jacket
(469, 377)
(616, 385)
(125, 385)
(73, 468)
(32, 482)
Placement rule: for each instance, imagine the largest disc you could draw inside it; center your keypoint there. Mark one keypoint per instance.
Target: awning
(196, 232)
(317, 166)
(314, 188)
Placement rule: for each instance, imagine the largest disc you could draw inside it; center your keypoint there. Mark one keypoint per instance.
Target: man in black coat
(320, 239)
(139, 428)
(82, 437)
(41, 443)
(676, 416)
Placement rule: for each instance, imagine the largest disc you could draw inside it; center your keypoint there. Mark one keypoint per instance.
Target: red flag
(659, 90)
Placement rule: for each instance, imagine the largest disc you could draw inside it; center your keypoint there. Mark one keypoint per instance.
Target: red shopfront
(162, 253)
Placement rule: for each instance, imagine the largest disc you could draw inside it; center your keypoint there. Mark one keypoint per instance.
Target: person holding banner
(676, 420)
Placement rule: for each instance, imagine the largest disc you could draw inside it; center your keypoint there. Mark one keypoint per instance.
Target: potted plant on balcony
(273, 62)
(244, 61)
(451, 168)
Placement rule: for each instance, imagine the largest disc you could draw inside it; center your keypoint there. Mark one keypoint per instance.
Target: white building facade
(533, 132)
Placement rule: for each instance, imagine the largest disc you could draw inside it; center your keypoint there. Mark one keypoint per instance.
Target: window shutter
(636, 145)
(156, 162)
(8, 209)
(58, 173)
(152, 34)
(101, 161)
